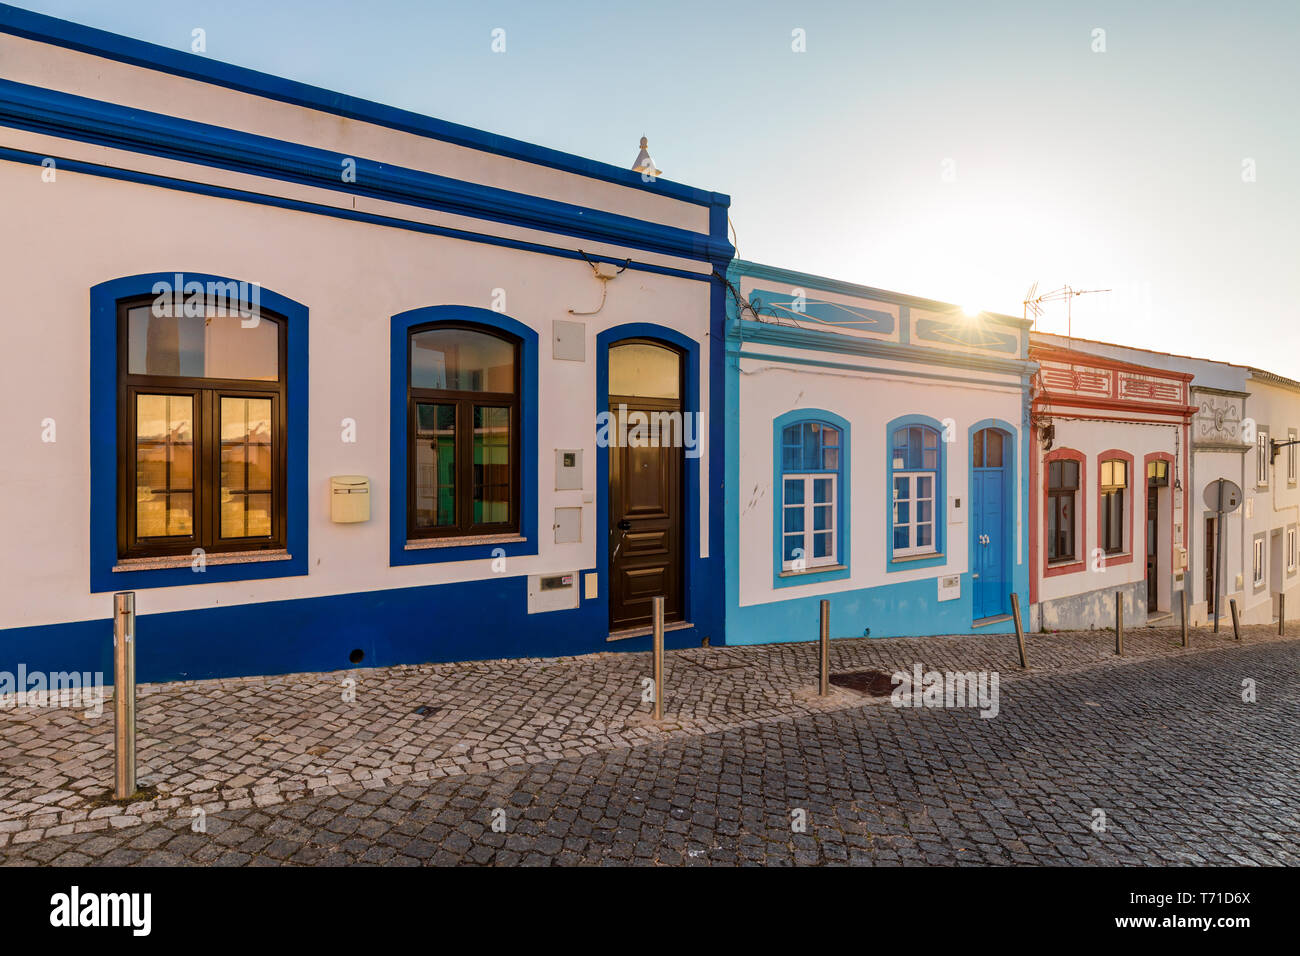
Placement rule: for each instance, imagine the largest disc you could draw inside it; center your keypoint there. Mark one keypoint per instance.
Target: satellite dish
(1231, 495)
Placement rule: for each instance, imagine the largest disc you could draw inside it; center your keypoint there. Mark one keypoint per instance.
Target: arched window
(463, 420)
(1113, 479)
(915, 461)
(1064, 481)
(201, 405)
(811, 468)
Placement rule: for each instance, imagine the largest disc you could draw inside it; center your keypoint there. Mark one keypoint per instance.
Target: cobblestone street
(1183, 770)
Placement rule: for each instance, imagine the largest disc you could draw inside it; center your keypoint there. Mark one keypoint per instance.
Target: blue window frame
(811, 501)
(107, 571)
(401, 549)
(915, 467)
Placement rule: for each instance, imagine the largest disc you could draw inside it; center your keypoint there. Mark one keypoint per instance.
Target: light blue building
(876, 450)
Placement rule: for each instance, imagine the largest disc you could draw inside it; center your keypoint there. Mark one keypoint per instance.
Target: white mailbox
(349, 498)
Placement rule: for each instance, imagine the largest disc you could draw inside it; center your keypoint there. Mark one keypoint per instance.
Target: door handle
(624, 525)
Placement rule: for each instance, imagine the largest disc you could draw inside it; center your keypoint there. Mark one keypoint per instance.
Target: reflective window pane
(491, 464)
(645, 371)
(435, 465)
(164, 466)
(462, 360)
(246, 469)
(219, 344)
(823, 489)
(822, 545)
(794, 491)
(823, 518)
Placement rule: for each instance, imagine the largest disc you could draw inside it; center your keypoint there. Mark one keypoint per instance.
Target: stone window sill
(210, 560)
(820, 569)
(421, 544)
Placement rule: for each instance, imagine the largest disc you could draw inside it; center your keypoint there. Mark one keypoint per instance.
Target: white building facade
(324, 381)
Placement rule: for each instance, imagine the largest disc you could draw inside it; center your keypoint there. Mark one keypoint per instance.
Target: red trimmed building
(1107, 474)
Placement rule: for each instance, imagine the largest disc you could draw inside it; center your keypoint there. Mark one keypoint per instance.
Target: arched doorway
(646, 500)
(990, 508)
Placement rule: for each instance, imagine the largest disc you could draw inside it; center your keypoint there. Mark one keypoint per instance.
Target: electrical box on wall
(568, 525)
(568, 469)
(349, 498)
(569, 341)
(956, 513)
(949, 587)
(552, 592)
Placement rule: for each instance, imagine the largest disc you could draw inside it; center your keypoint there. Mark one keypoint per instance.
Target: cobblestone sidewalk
(230, 745)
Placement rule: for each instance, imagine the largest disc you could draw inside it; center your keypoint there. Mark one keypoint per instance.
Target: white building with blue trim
(876, 457)
(321, 379)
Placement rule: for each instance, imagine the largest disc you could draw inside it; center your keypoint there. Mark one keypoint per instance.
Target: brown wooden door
(645, 517)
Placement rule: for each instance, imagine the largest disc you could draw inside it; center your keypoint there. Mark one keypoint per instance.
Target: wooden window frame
(1076, 498)
(1110, 497)
(464, 402)
(206, 394)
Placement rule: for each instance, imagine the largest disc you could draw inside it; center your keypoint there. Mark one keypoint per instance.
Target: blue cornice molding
(151, 56)
(749, 331)
(806, 280)
(336, 212)
(107, 124)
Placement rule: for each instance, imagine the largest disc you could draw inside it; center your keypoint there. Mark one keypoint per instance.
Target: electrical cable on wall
(601, 270)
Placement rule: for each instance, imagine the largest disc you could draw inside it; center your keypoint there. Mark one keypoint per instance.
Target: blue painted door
(991, 546)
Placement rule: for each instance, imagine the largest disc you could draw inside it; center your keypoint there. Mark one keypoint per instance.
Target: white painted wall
(1273, 507)
(62, 238)
(869, 401)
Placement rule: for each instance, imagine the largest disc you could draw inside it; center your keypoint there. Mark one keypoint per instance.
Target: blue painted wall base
(910, 609)
(479, 620)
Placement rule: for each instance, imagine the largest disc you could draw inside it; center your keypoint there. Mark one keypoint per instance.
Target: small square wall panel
(569, 341)
(568, 469)
(568, 525)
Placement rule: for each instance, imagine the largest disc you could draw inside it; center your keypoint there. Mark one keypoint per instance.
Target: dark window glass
(1062, 488)
(456, 359)
(916, 448)
(219, 344)
(464, 420)
(201, 430)
(810, 446)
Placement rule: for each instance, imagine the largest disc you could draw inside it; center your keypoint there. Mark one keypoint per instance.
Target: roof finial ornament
(644, 164)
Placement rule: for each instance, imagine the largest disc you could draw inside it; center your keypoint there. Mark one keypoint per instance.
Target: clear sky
(958, 150)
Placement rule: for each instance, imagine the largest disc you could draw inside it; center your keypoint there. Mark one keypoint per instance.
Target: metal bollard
(824, 669)
(1119, 623)
(1236, 627)
(657, 607)
(124, 694)
(1281, 615)
(1020, 630)
(1183, 594)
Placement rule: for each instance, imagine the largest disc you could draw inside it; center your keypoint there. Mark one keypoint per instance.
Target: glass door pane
(435, 465)
(491, 464)
(164, 466)
(246, 467)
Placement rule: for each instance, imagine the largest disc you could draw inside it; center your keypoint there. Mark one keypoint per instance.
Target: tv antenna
(1034, 303)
